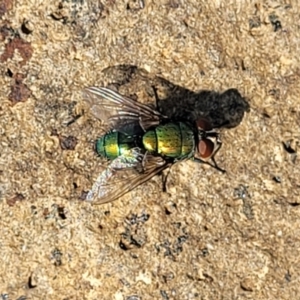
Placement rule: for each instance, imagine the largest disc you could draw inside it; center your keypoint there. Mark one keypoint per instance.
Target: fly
(142, 142)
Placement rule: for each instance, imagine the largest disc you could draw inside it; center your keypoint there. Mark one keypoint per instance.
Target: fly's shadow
(219, 109)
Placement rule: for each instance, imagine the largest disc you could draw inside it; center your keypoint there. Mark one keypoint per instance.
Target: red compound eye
(203, 124)
(206, 148)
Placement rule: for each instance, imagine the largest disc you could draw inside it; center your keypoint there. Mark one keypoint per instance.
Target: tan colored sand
(211, 236)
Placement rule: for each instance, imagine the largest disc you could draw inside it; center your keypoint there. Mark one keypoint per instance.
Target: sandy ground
(210, 235)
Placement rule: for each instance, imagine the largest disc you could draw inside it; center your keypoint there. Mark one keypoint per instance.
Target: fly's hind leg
(163, 177)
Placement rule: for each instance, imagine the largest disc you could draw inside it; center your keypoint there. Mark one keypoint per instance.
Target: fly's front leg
(218, 147)
(214, 164)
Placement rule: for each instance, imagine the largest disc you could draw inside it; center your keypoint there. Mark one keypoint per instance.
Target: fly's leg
(156, 98)
(143, 167)
(74, 120)
(143, 163)
(214, 164)
(164, 180)
(219, 145)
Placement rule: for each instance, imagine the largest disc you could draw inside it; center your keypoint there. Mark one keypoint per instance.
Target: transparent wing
(120, 112)
(124, 174)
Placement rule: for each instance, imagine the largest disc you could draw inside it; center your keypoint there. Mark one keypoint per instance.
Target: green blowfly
(142, 142)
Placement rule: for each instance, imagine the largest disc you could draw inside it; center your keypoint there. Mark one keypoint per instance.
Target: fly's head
(208, 140)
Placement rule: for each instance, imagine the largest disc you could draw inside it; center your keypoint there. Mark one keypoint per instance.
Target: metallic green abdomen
(114, 144)
(171, 140)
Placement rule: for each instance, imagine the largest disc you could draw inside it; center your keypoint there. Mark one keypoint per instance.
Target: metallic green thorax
(114, 144)
(174, 140)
